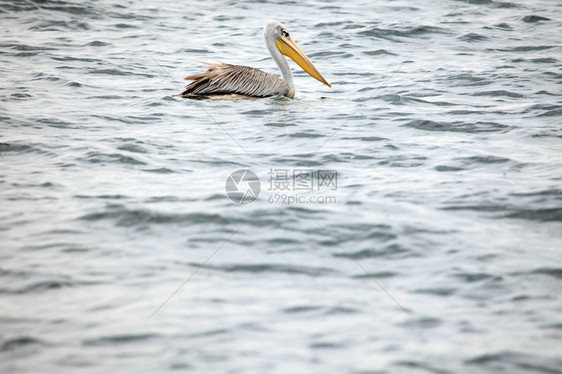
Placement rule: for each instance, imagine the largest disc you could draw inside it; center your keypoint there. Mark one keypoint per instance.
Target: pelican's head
(276, 32)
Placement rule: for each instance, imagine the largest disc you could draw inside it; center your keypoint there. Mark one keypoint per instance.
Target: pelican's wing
(221, 79)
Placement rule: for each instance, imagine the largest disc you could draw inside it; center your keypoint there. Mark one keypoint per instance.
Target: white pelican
(226, 79)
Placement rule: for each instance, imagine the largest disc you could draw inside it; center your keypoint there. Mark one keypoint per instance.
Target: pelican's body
(226, 79)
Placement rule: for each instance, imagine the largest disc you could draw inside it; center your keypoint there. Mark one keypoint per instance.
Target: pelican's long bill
(289, 48)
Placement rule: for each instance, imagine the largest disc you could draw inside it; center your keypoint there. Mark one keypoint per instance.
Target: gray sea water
(409, 219)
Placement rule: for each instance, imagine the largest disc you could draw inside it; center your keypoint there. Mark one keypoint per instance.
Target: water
(437, 252)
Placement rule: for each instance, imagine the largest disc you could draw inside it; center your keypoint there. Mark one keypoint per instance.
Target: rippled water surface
(437, 252)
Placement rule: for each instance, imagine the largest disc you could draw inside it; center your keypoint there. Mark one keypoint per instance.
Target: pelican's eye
(285, 33)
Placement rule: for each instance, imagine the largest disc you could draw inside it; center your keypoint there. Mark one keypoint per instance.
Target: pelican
(226, 79)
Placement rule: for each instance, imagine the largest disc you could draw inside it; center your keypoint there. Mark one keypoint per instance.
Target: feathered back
(221, 79)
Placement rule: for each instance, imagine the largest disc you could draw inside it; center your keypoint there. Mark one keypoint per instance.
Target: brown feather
(224, 79)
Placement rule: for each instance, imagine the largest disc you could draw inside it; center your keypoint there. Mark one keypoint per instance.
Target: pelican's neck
(282, 64)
